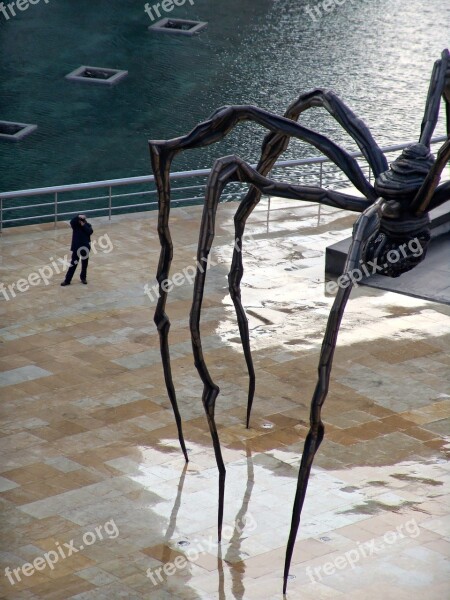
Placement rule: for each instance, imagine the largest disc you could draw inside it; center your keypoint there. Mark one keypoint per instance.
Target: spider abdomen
(399, 245)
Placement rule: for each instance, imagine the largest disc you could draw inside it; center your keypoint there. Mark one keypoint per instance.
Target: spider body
(406, 175)
(399, 226)
(399, 245)
(393, 218)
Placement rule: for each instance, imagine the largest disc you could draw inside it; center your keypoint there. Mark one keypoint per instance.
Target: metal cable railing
(307, 171)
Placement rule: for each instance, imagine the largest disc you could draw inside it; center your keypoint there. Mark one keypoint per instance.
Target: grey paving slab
(28, 373)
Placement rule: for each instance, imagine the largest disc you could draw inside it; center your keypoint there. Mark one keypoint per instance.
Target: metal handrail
(110, 184)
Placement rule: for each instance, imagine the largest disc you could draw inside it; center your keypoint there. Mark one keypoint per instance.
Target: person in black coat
(81, 247)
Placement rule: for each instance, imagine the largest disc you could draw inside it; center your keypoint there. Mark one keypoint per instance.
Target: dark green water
(376, 54)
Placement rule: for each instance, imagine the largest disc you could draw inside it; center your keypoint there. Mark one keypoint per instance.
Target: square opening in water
(12, 131)
(179, 26)
(103, 76)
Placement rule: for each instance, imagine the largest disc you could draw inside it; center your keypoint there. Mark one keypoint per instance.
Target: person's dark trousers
(73, 265)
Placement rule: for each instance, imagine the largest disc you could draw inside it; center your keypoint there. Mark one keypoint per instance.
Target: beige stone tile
(86, 449)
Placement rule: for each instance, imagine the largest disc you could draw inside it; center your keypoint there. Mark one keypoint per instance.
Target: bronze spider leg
(161, 319)
(439, 86)
(352, 124)
(228, 169)
(162, 154)
(273, 146)
(427, 193)
(441, 195)
(366, 225)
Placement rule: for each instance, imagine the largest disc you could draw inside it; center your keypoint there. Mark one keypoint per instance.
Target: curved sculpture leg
(221, 122)
(210, 389)
(225, 119)
(441, 195)
(352, 124)
(234, 287)
(228, 169)
(161, 163)
(424, 197)
(366, 225)
(439, 86)
(237, 269)
(273, 146)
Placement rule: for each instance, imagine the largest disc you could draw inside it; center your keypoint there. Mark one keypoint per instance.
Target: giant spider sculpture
(394, 211)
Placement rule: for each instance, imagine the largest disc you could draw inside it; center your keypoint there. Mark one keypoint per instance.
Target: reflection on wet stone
(79, 451)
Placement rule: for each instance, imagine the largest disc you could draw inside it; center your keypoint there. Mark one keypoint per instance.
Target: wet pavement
(88, 439)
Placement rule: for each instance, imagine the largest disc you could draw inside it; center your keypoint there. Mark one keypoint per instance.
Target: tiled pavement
(89, 450)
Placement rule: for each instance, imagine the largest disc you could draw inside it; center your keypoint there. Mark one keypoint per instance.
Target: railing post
(110, 203)
(56, 209)
(1, 215)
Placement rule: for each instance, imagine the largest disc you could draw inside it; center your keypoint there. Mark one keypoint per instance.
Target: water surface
(378, 55)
